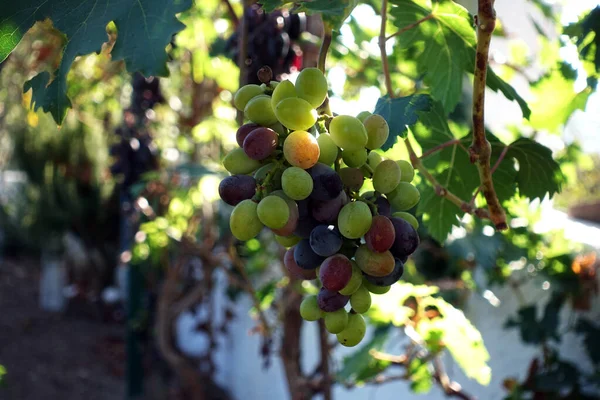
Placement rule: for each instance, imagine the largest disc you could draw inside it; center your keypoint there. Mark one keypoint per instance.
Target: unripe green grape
(273, 212)
(377, 131)
(374, 288)
(374, 159)
(237, 162)
(329, 151)
(408, 172)
(245, 94)
(296, 114)
(361, 300)
(408, 218)
(277, 127)
(372, 263)
(355, 280)
(354, 332)
(244, 222)
(261, 174)
(354, 220)
(348, 132)
(311, 85)
(284, 90)
(259, 111)
(296, 183)
(363, 115)
(404, 197)
(354, 158)
(336, 321)
(287, 241)
(309, 309)
(386, 176)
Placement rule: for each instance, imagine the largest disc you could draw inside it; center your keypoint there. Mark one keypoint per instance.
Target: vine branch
(324, 108)
(441, 147)
(384, 59)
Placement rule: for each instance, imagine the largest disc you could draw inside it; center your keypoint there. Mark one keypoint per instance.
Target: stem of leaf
(409, 27)
(384, 59)
(440, 147)
(324, 108)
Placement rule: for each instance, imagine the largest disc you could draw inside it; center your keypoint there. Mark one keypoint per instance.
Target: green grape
(354, 158)
(287, 241)
(301, 149)
(361, 300)
(296, 114)
(377, 131)
(355, 280)
(363, 115)
(238, 163)
(277, 127)
(354, 332)
(261, 174)
(284, 90)
(259, 111)
(374, 264)
(354, 220)
(244, 222)
(386, 176)
(329, 151)
(296, 183)
(336, 321)
(374, 159)
(408, 218)
(374, 288)
(348, 132)
(309, 309)
(273, 212)
(408, 172)
(404, 197)
(245, 94)
(311, 85)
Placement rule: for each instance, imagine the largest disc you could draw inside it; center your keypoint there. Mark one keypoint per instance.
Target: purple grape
(383, 206)
(327, 211)
(407, 238)
(325, 241)
(390, 279)
(331, 301)
(305, 257)
(260, 143)
(236, 188)
(305, 226)
(244, 131)
(294, 269)
(335, 272)
(327, 184)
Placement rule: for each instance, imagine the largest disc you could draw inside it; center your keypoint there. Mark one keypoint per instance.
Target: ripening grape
(283, 90)
(408, 172)
(292, 223)
(259, 110)
(273, 212)
(237, 162)
(377, 131)
(296, 114)
(245, 94)
(331, 301)
(373, 159)
(388, 279)
(244, 222)
(354, 220)
(354, 158)
(348, 132)
(234, 189)
(355, 281)
(374, 264)
(360, 301)
(374, 288)
(325, 241)
(260, 143)
(407, 238)
(309, 309)
(386, 176)
(327, 184)
(329, 151)
(336, 321)
(305, 256)
(311, 85)
(354, 332)
(381, 235)
(404, 197)
(244, 131)
(296, 183)
(301, 149)
(287, 241)
(352, 178)
(408, 218)
(294, 269)
(327, 211)
(363, 115)
(275, 181)
(335, 272)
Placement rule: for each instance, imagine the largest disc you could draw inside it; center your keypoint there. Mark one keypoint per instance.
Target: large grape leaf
(398, 113)
(587, 33)
(333, 12)
(447, 41)
(145, 28)
(360, 365)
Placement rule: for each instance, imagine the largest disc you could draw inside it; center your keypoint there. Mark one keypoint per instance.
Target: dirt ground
(49, 356)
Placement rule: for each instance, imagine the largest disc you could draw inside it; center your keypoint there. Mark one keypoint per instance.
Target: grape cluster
(301, 176)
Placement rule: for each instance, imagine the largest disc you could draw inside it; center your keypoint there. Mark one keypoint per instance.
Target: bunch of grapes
(301, 176)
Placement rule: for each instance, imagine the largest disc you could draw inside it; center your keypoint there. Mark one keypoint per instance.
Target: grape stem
(324, 108)
(384, 59)
(441, 147)
(480, 150)
(243, 54)
(409, 27)
(231, 12)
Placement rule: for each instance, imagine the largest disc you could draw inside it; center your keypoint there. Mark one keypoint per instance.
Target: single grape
(387, 280)
(348, 249)
(381, 235)
(331, 301)
(274, 181)
(309, 309)
(325, 241)
(294, 269)
(234, 189)
(408, 172)
(373, 159)
(305, 256)
(244, 131)
(260, 143)
(407, 238)
(329, 151)
(327, 211)
(273, 212)
(354, 158)
(354, 220)
(238, 163)
(348, 132)
(336, 321)
(327, 184)
(383, 206)
(292, 223)
(374, 264)
(245, 94)
(287, 241)
(408, 218)
(354, 332)
(377, 131)
(305, 226)
(360, 301)
(283, 90)
(259, 110)
(296, 114)
(335, 272)
(296, 183)
(355, 281)
(386, 176)
(352, 178)
(404, 197)
(301, 149)
(363, 115)
(244, 222)
(311, 85)
(374, 288)
(277, 127)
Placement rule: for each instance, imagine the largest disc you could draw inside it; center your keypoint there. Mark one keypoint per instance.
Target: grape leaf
(145, 28)
(421, 377)
(360, 365)
(398, 113)
(445, 31)
(333, 12)
(587, 32)
(438, 213)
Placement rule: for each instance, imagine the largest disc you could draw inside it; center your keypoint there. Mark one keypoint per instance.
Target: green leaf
(438, 213)
(398, 113)
(389, 309)
(333, 12)
(145, 28)
(360, 365)
(421, 377)
(587, 33)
